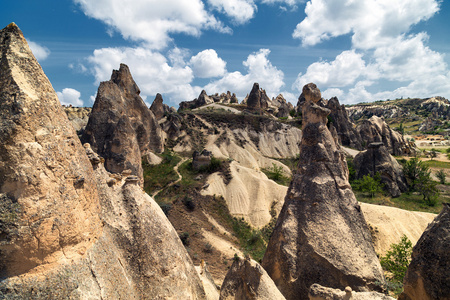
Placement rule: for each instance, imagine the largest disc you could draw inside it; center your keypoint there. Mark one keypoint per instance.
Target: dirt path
(174, 182)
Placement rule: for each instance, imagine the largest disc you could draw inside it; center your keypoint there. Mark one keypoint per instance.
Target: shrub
(189, 203)
(419, 180)
(396, 262)
(441, 176)
(208, 248)
(370, 185)
(184, 237)
(166, 207)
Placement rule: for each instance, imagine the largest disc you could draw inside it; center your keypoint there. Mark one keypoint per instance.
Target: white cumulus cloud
(382, 51)
(259, 69)
(70, 96)
(344, 70)
(240, 11)
(151, 71)
(152, 21)
(207, 64)
(371, 22)
(39, 51)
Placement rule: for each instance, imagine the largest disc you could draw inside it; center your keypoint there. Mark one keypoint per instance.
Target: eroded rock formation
(320, 203)
(246, 279)
(376, 159)
(428, 275)
(376, 130)
(49, 201)
(318, 292)
(346, 130)
(121, 128)
(158, 108)
(257, 99)
(68, 228)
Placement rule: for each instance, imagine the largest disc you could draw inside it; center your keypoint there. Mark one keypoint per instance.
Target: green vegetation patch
(277, 174)
(157, 177)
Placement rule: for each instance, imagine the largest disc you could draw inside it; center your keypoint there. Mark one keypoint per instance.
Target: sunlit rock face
(321, 235)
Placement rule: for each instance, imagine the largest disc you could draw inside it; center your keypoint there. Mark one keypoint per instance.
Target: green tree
(371, 185)
(441, 176)
(397, 260)
(419, 180)
(433, 153)
(401, 129)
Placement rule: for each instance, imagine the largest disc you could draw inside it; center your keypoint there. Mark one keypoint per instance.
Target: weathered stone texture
(121, 128)
(246, 279)
(428, 275)
(321, 235)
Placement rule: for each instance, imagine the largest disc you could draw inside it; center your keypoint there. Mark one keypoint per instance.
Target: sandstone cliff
(69, 229)
(121, 128)
(320, 203)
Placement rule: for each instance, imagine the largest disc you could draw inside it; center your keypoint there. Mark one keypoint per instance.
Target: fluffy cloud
(152, 21)
(207, 64)
(40, 52)
(371, 22)
(259, 69)
(151, 71)
(382, 50)
(70, 96)
(240, 11)
(344, 70)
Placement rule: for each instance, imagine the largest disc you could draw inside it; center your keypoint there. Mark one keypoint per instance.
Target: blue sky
(357, 50)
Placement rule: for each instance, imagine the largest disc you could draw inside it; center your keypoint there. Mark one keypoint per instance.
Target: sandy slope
(390, 223)
(250, 194)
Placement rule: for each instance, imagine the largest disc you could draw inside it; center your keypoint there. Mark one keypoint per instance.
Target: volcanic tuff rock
(318, 292)
(78, 116)
(158, 108)
(376, 130)
(49, 202)
(346, 130)
(121, 128)
(428, 275)
(203, 99)
(376, 159)
(246, 279)
(70, 229)
(257, 99)
(320, 203)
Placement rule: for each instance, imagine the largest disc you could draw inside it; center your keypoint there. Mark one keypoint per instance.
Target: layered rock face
(69, 229)
(376, 130)
(121, 128)
(347, 133)
(428, 275)
(321, 235)
(246, 279)
(376, 159)
(49, 202)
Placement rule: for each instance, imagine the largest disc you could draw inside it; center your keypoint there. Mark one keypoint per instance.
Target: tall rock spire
(321, 235)
(49, 203)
